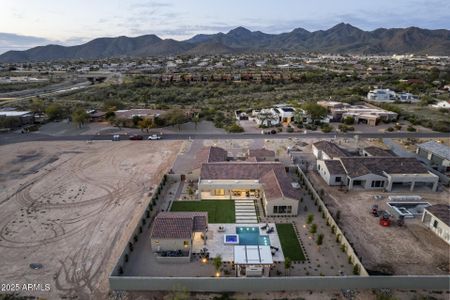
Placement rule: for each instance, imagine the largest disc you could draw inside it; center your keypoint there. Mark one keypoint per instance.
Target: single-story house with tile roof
(332, 171)
(379, 172)
(437, 218)
(324, 150)
(266, 181)
(376, 151)
(435, 154)
(261, 154)
(172, 233)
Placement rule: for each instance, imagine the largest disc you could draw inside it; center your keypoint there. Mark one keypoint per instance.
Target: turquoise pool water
(250, 236)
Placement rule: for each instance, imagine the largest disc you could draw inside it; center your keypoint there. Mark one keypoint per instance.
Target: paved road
(8, 138)
(65, 86)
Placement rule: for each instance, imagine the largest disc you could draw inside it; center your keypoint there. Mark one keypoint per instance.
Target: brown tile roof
(272, 188)
(178, 225)
(249, 171)
(261, 153)
(376, 151)
(217, 154)
(441, 211)
(334, 167)
(359, 166)
(331, 149)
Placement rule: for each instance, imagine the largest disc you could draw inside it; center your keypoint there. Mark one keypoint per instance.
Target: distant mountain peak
(239, 31)
(300, 30)
(341, 38)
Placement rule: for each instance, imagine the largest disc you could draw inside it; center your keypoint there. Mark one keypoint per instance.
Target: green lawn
(219, 211)
(289, 242)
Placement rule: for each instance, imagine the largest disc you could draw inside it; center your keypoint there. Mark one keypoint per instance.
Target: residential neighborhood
(224, 150)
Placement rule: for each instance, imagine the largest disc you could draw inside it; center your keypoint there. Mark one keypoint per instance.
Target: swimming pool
(250, 236)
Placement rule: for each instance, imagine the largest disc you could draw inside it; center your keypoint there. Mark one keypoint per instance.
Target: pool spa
(250, 236)
(231, 239)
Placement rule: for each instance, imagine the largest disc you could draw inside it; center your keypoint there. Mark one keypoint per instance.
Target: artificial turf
(219, 211)
(289, 242)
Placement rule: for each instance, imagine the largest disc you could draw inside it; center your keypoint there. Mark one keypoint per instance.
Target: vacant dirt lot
(71, 206)
(411, 249)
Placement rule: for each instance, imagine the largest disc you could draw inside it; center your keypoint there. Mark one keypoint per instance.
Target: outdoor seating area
(264, 235)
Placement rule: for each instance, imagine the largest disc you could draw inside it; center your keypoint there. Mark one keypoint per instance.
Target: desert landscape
(68, 208)
(411, 249)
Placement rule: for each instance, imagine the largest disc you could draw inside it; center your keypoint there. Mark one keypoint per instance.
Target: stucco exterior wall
(441, 229)
(281, 202)
(329, 178)
(169, 244)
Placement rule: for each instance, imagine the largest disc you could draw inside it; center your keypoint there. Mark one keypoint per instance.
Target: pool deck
(215, 241)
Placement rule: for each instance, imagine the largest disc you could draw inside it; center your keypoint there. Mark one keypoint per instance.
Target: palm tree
(287, 265)
(217, 262)
(265, 117)
(196, 120)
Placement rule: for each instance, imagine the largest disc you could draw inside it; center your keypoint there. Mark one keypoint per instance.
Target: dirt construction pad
(70, 207)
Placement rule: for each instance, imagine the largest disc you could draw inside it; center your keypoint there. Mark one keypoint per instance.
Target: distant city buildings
(362, 114)
(387, 95)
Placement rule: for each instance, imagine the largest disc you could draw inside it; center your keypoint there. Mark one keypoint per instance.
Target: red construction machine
(385, 219)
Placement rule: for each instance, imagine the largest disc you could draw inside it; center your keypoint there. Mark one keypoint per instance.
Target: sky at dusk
(27, 23)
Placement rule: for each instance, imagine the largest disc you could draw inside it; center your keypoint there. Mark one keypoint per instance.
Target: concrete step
(247, 222)
(246, 216)
(249, 206)
(243, 220)
(244, 209)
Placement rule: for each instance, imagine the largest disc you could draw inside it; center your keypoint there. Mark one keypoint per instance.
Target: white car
(154, 137)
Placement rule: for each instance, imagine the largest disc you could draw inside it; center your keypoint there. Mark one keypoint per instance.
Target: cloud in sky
(77, 21)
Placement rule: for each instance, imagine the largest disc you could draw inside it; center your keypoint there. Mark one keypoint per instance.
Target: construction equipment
(385, 219)
(401, 221)
(374, 210)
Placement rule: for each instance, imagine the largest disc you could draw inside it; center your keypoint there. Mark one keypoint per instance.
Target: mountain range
(340, 39)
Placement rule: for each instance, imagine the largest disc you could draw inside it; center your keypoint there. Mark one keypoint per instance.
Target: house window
(435, 224)
(219, 192)
(185, 244)
(282, 209)
(338, 179)
(377, 183)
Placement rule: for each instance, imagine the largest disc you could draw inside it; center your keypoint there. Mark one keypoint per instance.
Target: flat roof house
(436, 155)
(173, 234)
(437, 218)
(381, 95)
(266, 117)
(362, 114)
(285, 113)
(23, 117)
